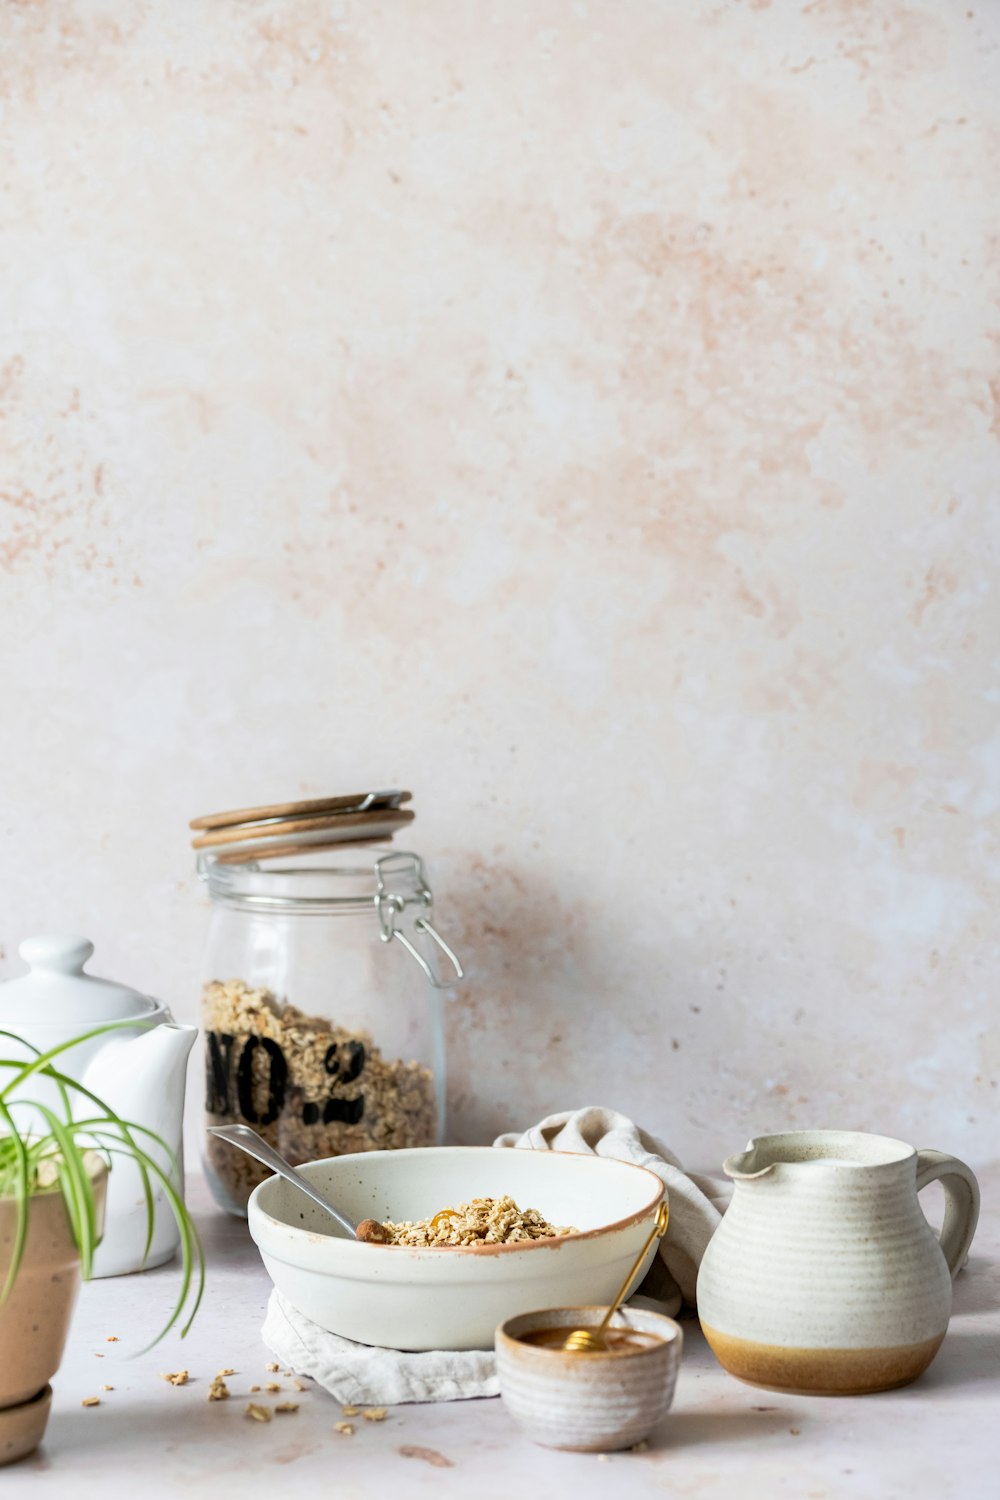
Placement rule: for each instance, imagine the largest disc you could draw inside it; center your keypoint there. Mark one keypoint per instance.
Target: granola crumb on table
(175, 1377)
(258, 1413)
(383, 1103)
(346, 1429)
(219, 1390)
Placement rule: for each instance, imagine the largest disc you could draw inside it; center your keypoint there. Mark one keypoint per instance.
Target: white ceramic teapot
(138, 1070)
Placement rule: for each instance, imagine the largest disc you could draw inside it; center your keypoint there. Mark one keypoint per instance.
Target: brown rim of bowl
(548, 1243)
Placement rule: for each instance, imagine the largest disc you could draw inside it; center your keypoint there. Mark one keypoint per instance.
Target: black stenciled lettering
(277, 1081)
(218, 1060)
(355, 1061)
(310, 1113)
(355, 1064)
(348, 1111)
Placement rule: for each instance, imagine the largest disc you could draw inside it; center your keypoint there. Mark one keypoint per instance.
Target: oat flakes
(484, 1221)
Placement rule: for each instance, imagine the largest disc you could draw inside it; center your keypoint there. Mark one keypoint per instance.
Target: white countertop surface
(940, 1437)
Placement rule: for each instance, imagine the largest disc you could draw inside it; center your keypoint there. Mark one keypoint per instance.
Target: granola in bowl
(481, 1221)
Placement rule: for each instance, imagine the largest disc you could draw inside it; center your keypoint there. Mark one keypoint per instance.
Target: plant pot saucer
(22, 1427)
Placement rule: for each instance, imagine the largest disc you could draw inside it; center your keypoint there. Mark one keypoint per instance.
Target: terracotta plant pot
(34, 1320)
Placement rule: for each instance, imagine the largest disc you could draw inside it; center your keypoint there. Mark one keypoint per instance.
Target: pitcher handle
(961, 1202)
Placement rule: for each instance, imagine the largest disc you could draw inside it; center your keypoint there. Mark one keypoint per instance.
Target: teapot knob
(54, 951)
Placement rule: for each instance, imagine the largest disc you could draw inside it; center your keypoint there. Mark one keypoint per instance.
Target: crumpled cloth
(363, 1375)
(697, 1202)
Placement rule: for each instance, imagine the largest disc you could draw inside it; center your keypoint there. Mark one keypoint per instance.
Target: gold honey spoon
(592, 1340)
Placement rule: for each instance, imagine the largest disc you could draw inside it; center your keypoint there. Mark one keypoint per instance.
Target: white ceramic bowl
(592, 1402)
(451, 1297)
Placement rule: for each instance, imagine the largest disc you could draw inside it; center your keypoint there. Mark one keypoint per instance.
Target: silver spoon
(369, 1230)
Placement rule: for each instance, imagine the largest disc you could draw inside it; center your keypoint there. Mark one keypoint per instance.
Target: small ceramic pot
(591, 1402)
(34, 1320)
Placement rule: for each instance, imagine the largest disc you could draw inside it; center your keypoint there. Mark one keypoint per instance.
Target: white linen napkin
(697, 1203)
(362, 1375)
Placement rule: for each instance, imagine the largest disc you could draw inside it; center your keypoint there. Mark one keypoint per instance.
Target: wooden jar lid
(358, 802)
(379, 823)
(280, 829)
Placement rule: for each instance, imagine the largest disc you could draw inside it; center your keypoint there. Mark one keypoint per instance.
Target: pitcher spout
(750, 1164)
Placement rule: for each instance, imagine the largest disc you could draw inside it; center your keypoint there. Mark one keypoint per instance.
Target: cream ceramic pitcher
(824, 1276)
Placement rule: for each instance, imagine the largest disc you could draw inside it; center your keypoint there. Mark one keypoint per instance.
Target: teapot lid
(56, 990)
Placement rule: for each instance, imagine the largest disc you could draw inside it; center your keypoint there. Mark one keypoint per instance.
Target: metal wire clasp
(391, 902)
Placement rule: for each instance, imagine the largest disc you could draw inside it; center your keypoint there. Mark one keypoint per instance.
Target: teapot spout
(142, 1077)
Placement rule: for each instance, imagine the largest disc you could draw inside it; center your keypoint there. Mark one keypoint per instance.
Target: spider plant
(46, 1149)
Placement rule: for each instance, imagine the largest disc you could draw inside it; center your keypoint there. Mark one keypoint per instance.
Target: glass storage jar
(321, 1010)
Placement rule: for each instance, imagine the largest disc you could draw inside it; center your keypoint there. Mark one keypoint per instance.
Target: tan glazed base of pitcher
(821, 1372)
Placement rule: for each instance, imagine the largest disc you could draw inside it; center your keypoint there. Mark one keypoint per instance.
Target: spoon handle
(657, 1232)
(254, 1145)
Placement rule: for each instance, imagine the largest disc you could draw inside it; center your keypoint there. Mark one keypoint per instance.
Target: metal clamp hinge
(391, 903)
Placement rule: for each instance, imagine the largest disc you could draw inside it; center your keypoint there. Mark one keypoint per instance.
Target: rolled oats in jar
(321, 1009)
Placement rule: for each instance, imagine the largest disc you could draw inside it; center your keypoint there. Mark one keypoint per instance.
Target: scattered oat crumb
(272, 1386)
(218, 1390)
(254, 1388)
(351, 1411)
(300, 1385)
(107, 1387)
(223, 1373)
(112, 1338)
(795, 1431)
(429, 1455)
(91, 1401)
(176, 1377)
(375, 1414)
(346, 1429)
(258, 1413)
(289, 1373)
(287, 1406)
(273, 1366)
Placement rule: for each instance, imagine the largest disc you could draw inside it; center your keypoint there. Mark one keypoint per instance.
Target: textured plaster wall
(585, 414)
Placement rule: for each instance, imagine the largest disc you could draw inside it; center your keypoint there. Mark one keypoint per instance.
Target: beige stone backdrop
(585, 414)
